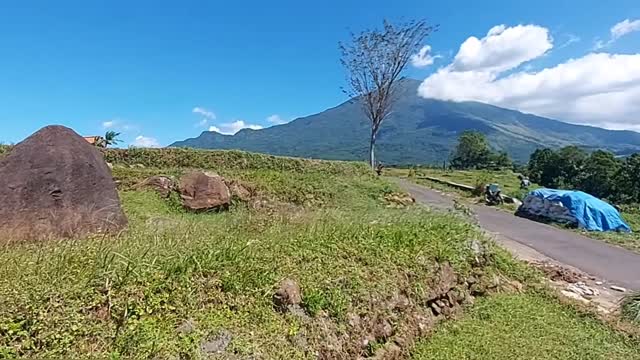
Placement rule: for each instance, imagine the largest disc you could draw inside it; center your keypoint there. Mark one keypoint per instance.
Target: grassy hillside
(419, 131)
(181, 285)
(329, 229)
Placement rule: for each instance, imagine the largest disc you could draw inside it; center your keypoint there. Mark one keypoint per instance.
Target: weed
(631, 307)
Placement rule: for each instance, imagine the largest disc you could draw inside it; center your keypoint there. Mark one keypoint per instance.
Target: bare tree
(373, 61)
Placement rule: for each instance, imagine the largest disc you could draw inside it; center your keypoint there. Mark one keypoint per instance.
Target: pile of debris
(574, 284)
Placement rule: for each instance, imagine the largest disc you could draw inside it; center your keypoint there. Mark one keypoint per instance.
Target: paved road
(594, 257)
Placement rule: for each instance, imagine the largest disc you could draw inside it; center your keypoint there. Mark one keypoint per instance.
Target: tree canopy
(473, 152)
(599, 173)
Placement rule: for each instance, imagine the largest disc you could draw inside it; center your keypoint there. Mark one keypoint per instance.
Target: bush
(480, 184)
(631, 307)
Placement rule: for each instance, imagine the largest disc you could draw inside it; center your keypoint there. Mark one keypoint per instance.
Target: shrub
(631, 307)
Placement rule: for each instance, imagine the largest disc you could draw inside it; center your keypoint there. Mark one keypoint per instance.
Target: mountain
(419, 131)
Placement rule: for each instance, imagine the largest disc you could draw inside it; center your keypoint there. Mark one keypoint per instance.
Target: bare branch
(373, 62)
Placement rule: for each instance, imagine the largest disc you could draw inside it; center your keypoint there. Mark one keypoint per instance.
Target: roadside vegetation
(526, 326)
(510, 184)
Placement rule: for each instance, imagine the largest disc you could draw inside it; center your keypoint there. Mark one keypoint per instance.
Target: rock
(446, 280)
(353, 320)
(298, 311)
(400, 302)
(599, 282)
(618, 288)
(201, 191)
(477, 248)
(583, 290)
(436, 309)
(383, 329)
(55, 184)
(240, 191)
(187, 327)
(216, 345)
(288, 294)
(164, 185)
(574, 296)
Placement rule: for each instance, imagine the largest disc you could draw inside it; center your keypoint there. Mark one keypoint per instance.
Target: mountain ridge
(419, 131)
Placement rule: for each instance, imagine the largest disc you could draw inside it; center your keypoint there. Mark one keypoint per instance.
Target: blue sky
(143, 67)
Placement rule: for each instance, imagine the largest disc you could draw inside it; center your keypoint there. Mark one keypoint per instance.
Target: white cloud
(571, 39)
(624, 27)
(502, 49)
(117, 124)
(617, 31)
(233, 127)
(423, 58)
(600, 44)
(599, 88)
(145, 142)
(275, 119)
(208, 114)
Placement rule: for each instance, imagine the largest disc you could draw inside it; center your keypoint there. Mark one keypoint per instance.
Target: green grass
(123, 296)
(526, 326)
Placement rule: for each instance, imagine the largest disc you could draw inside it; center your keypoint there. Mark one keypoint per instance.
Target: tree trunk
(372, 156)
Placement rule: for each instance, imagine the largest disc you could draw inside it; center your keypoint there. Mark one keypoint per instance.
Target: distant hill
(420, 131)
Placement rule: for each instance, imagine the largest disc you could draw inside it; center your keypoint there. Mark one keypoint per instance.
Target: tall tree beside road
(373, 61)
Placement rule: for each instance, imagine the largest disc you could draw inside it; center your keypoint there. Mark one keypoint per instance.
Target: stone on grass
(239, 190)
(204, 191)
(188, 326)
(163, 185)
(574, 296)
(217, 344)
(287, 295)
(56, 185)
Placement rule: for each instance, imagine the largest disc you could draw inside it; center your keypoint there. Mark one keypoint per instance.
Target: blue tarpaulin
(591, 213)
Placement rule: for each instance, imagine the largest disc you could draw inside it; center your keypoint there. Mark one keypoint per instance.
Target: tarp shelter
(585, 210)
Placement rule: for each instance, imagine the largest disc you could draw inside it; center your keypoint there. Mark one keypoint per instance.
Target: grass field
(325, 225)
(526, 326)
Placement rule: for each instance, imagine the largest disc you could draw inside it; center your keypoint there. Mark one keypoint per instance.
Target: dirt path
(533, 241)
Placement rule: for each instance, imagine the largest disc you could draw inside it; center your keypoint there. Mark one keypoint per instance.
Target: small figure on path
(524, 182)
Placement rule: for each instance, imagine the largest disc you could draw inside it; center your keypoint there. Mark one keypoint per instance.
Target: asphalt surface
(604, 261)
